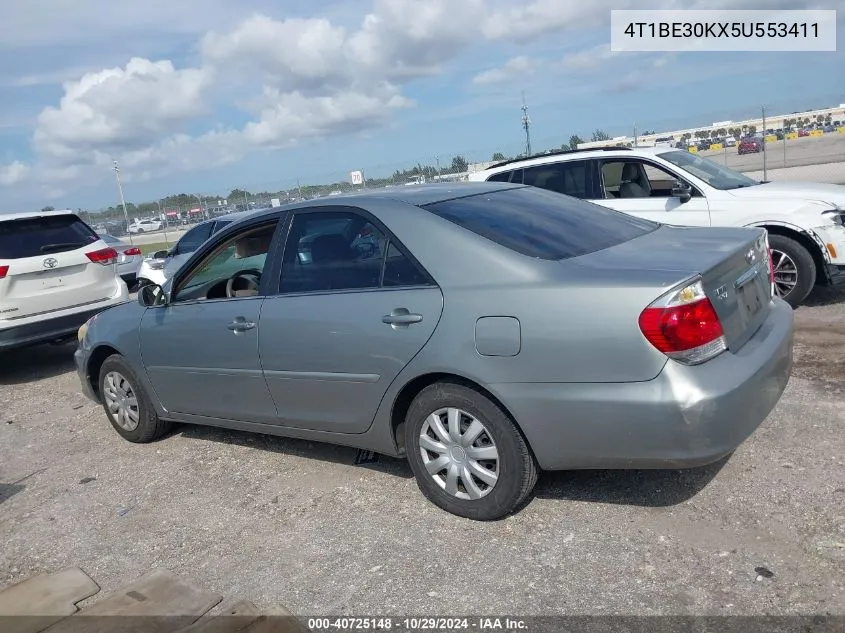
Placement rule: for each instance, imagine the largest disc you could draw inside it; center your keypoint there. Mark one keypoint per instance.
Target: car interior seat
(634, 183)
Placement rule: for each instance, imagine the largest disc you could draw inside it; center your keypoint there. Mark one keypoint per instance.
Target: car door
(352, 309)
(200, 349)
(644, 189)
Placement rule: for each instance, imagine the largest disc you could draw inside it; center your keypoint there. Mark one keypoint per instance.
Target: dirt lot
(289, 522)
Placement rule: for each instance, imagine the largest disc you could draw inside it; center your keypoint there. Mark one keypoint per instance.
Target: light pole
(122, 201)
(163, 218)
(202, 211)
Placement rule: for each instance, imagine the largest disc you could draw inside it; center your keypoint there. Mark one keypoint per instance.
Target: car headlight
(83, 329)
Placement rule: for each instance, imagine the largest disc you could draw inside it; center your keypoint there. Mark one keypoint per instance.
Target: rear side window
(569, 177)
(194, 238)
(541, 223)
(507, 176)
(33, 237)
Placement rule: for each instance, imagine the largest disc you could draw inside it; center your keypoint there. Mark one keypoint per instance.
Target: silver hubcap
(121, 401)
(786, 273)
(459, 453)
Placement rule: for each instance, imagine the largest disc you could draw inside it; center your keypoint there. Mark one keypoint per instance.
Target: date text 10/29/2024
(416, 624)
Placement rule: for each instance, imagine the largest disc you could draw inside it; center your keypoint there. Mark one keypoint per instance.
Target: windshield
(711, 172)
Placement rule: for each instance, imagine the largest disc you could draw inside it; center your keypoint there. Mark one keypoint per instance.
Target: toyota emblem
(50, 262)
(750, 256)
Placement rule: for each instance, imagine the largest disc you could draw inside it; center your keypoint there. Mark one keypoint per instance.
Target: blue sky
(205, 96)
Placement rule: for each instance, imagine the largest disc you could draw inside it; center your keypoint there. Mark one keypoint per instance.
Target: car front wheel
(126, 404)
(794, 267)
(467, 454)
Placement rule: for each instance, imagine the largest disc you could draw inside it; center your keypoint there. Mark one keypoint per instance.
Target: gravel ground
(295, 523)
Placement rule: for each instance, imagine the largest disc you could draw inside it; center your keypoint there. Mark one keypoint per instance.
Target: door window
(567, 177)
(343, 250)
(232, 269)
(194, 238)
(636, 179)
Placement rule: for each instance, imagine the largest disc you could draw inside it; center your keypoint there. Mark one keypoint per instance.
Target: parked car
(802, 133)
(750, 145)
(55, 272)
(502, 330)
(804, 220)
(129, 258)
(145, 226)
(730, 141)
(158, 267)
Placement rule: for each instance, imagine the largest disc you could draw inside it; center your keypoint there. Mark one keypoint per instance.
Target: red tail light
(3, 271)
(684, 325)
(132, 251)
(104, 256)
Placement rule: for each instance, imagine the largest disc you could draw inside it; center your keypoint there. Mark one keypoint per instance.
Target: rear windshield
(541, 223)
(31, 237)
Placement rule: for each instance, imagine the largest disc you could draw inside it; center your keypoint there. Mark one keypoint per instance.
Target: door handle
(240, 325)
(401, 317)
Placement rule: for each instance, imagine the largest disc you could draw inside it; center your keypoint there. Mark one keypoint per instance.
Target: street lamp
(116, 170)
(163, 218)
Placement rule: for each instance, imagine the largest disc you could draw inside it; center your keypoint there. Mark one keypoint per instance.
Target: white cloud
(514, 68)
(13, 173)
(297, 77)
(120, 109)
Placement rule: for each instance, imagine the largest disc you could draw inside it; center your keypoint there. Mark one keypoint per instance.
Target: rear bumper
(46, 330)
(686, 417)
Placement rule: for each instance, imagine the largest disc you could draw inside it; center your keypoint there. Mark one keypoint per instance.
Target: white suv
(805, 221)
(55, 273)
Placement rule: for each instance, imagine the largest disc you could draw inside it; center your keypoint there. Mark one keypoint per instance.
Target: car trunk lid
(732, 264)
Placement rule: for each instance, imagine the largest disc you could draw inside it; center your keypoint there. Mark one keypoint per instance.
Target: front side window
(232, 269)
(343, 250)
(540, 223)
(711, 172)
(194, 238)
(567, 177)
(633, 178)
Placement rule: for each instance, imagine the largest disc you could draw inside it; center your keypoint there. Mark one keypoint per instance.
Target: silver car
(129, 258)
(495, 330)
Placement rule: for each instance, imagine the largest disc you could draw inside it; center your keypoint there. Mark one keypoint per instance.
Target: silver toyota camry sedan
(484, 331)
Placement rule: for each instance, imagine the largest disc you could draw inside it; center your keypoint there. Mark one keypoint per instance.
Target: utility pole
(526, 125)
(163, 218)
(635, 136)
(299, 189)
(246, 202)
(765, 173)
(116, 170)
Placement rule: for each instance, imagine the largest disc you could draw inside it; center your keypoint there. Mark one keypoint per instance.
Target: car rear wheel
(126, 404)
(795, 270)
(466, 453)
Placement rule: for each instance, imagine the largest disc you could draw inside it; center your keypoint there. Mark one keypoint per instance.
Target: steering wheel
(252, 284)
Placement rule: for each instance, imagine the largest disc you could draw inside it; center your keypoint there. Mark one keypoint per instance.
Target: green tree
(459, 164)
(752, 129)
(237, 195)
(600, 135)
(498, 156)
(574, 141)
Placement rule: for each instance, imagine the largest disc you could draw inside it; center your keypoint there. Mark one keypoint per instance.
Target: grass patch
(149, 249)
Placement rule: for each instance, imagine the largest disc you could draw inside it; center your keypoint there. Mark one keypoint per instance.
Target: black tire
(139, 231)
(516, 469)
(804, 264)
(149, 427)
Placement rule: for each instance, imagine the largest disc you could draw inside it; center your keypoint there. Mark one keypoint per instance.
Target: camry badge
(722, 293)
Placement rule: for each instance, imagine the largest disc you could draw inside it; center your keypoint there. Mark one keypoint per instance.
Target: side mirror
(682, 191)
(161, 254)
(151, 295)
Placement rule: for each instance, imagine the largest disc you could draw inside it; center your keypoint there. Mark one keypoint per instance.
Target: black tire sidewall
(148, 425)
(803, 261)
(509, 490)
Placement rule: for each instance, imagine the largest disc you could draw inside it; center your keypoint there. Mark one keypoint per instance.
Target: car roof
(580, 154)
(23, 215)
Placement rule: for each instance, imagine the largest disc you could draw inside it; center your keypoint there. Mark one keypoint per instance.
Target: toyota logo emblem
(50, 262)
